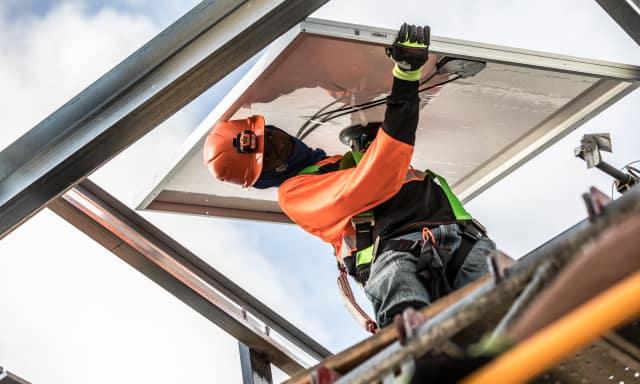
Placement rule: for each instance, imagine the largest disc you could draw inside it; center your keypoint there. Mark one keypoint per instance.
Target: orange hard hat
(233, 150)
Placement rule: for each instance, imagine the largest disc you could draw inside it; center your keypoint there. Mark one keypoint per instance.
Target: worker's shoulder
(304, 181)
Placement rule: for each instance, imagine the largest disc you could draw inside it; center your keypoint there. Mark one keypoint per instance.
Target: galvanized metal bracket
(590, 147)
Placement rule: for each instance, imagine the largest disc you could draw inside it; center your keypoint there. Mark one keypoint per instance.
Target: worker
(398, 231)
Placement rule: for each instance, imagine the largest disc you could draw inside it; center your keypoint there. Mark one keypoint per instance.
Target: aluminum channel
(520, 104)
(189, 278)
(149, 86)
(7, 377)
(626, 13)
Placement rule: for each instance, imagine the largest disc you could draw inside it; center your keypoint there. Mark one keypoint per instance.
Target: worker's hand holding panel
(410, 51)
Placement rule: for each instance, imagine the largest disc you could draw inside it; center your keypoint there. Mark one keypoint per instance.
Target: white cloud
(569, 27)
(237, 255)
(70, 311)
(46, 61)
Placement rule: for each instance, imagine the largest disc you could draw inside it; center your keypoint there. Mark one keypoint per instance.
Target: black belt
(472, 231)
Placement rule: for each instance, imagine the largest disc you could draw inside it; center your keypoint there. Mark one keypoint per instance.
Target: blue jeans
(394, 283)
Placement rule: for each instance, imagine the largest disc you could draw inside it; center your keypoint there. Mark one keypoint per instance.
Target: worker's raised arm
(324, 204)
(409, 52)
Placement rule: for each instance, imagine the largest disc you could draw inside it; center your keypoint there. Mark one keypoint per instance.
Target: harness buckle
(363, 218)
(363, 225)
(474, 230)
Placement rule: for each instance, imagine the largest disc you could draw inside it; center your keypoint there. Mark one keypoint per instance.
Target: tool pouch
(431, 267)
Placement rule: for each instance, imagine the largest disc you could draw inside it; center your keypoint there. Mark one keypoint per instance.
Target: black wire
(359, 106)
(329, 118)
(429, 78)
(315, 116)
(439, 84)
(368, 105)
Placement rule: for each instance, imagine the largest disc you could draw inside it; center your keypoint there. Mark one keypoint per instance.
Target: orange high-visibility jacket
(324, 203)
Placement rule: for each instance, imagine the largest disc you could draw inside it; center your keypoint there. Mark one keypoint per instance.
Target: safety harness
(435, 270)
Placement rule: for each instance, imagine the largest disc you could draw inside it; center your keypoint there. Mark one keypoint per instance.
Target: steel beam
(543, 275)
(145, 89)
(626, 13)
(7, 377)
(255, 366)
(439, 328)
(163, 260)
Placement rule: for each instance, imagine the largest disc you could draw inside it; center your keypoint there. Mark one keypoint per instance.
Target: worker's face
(278, 147)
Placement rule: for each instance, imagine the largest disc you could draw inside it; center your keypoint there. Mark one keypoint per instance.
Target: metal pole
(446, 324)
(157, 256)
(626, 13)
(565, 336)
(356, 354)
(255, 366)
(7, 377)
(545, 273)
(145, 89)
(614, 172)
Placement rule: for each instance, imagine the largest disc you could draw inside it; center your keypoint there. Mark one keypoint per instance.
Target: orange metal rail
(533, 356)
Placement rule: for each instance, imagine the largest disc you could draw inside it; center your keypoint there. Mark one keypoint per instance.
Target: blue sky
(70, 308)
(162, 12)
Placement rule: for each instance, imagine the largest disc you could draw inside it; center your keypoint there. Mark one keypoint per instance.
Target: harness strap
(454, 265)
(456, 206)
(430, 266)
(362, 223)
(350, 302)
(472, 231)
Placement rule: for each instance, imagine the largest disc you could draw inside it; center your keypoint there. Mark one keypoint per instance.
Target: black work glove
(410, 51)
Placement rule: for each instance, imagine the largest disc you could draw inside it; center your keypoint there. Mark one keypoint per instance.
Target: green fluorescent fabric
(308, 170)
(365, 256)
(456, 205)
(357, 156)
(407, 75)
(413, 44)
(350, 159)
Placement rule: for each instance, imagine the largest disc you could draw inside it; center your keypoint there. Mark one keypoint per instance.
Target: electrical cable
(359, 106)
(315, 115)
(339, 112)
(440, 84)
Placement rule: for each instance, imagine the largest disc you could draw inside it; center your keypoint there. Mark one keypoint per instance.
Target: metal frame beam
(189, 278)
(145, 89)
(255, 366)
(7, 377)
(626, 13)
